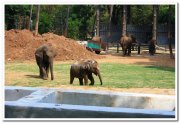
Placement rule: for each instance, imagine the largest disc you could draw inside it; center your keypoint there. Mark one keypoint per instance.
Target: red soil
(21, 45)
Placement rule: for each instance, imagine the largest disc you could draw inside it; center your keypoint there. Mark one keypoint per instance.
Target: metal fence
(142, 33)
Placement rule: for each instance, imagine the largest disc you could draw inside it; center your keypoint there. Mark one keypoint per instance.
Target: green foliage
(81, 17)
(12, 12)
(142, 15)
(163, 14)
(80, 14)
(45, 22)
(73, 30)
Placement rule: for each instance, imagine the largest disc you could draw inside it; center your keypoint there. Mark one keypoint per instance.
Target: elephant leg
(72, 79)
(125, 51)
(47, 70)
(51, 68)
(39, 63)
(44, 72)
(40, 72)
(86, 80)
(81, 81)
(129, 51)
(90, 77)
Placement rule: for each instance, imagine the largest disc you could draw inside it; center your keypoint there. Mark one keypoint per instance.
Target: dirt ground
(21, 45)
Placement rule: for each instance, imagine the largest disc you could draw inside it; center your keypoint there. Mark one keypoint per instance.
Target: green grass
(113, 74)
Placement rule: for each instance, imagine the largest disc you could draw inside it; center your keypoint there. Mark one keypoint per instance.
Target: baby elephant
(83, 69)
(44, 58)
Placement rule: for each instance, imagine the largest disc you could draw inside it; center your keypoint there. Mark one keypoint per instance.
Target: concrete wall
(109, 99)
(59, 103)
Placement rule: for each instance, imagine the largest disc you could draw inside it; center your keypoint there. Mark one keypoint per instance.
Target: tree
(124, 20)
(30, 16)
(97, 19)
(155, 22)
(13, 14)
(141, 14)
(153, 41)
(37, 19)
(67, 17)
(169, 32)
(129, 14)
(82, 16)
(110, 16)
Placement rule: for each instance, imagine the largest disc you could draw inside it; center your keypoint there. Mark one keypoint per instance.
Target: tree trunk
(169, 32)
(93, 29)
(110, 16)
(124, 20)
(153, 41)
(66, 28)
(97, 20)
(37, 19)
(155, 22)
(129, 14)
(30, 16)
(109, 31)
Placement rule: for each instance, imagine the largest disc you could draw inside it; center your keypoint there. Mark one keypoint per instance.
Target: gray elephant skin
(83, 69)
(126, 43)
(44, 58)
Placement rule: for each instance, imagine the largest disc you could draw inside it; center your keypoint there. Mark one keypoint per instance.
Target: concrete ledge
(44, 110)
(60, 103)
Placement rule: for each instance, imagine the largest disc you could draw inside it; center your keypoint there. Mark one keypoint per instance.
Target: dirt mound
(21, 45)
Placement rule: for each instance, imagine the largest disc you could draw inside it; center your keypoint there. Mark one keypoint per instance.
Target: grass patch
(113, 74)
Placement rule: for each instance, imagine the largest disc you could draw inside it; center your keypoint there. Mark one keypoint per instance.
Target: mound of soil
(21, 45)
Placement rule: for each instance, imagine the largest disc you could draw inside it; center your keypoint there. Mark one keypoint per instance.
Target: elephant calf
(44, 58)
(83, 69)
(126, 43)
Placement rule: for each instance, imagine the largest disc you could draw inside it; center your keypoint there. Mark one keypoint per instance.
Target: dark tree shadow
(170, 69)
(33, 76)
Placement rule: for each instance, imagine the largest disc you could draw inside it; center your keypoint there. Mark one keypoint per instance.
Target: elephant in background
(44, 58)
(126, 43)
(83, 69)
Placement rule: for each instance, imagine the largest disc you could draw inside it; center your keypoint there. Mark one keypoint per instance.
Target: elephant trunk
(100, 78)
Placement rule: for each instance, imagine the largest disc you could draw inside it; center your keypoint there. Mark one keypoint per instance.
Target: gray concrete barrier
(61, 103)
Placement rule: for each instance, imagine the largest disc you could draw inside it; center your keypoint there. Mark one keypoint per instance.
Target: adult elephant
(126, 43)
(44, 58)
(83, 69)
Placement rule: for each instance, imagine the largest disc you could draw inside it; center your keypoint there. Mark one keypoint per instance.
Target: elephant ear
(50, 52)
(87, 65)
